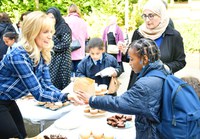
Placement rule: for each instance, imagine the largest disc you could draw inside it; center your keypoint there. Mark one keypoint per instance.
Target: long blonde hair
(33, 24)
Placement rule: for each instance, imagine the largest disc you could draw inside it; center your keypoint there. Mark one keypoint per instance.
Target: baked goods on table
(85, 134)
(48, 105)
(88, 111)
(95, 134)
(119, 120)
(28, 97)
(54, 137)
(101, 89)
(51, 105)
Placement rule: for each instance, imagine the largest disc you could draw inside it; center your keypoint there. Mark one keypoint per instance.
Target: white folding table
(40, 115)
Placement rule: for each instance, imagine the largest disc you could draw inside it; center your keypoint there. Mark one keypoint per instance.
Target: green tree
(15, 7)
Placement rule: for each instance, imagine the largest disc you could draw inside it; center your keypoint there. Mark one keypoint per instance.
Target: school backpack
(180, 108)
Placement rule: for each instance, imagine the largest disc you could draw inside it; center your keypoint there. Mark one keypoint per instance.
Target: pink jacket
(79, 32)
(118, 37)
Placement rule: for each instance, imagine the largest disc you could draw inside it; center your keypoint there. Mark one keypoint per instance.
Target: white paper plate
(66, 125)
(95, 115)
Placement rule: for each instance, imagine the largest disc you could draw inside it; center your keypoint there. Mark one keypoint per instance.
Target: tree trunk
(126, 13)
(37, 4)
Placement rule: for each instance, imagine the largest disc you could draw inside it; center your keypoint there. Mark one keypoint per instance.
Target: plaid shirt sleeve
(24, 70)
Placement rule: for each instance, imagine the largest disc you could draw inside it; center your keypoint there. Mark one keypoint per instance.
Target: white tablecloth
(38, 114)
(77, 117)
(35, 114)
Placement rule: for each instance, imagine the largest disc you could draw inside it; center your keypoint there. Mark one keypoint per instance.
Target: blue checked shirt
(18, 77)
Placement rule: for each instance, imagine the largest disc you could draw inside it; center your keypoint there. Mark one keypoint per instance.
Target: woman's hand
(73, 98)
(122, 47)
(83, 96)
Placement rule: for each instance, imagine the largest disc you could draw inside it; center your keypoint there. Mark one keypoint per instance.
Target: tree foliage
(96, 13)
(15, 7)
(102, 8)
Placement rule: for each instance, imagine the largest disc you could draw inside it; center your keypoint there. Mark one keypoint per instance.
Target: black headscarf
(59, 19)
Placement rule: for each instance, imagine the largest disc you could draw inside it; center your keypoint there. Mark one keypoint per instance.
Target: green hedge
(190, 32)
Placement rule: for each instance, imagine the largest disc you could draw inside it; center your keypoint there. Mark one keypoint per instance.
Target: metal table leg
(42, 124)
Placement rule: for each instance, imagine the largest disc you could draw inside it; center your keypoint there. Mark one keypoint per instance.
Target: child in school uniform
(98, 65)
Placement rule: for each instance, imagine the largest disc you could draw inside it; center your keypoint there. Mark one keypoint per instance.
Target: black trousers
(11, 121)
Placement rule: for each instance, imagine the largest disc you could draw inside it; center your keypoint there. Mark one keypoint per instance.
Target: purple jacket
(118, 37)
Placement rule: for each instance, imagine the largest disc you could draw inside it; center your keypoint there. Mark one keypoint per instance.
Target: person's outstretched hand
(109, 71)
(122, 47)
(83, 96)
(73, 98)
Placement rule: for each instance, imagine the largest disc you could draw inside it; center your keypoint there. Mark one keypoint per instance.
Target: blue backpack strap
(157, 73)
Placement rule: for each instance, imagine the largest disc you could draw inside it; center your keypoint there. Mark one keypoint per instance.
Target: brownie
(121, 125)
(114, 124)
(118, 120)
(119, 116)
(123, 119)
(54, 137)
(128, 118)
(109, 122)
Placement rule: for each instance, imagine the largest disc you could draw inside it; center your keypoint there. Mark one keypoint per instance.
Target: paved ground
(192, 67)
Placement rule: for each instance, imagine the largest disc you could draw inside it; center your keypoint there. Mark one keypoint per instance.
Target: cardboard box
(84, 84)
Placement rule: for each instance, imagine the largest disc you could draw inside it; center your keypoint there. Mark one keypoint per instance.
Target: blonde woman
(24, 70)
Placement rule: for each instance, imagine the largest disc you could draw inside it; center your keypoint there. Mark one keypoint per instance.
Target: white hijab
(157, 7)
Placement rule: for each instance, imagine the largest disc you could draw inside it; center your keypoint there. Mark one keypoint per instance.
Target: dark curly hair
(146, 47)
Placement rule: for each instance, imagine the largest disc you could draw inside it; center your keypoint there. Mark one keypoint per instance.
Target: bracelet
(66, 96)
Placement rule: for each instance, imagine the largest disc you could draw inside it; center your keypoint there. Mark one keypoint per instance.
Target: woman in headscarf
(156, 27)
(60, 66)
